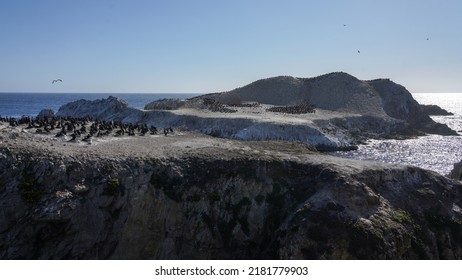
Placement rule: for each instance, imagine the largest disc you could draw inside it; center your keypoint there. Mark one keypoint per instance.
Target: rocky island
(233, 179)
(346, 111)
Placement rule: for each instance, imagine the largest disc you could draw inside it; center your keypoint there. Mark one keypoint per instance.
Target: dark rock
(220, 206)
(98, 109)
(45, 114)
(165, 104)
(456, 173)
(434, 110)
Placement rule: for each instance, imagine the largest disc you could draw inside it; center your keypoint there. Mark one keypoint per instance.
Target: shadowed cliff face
(216, 204)
(456, 173)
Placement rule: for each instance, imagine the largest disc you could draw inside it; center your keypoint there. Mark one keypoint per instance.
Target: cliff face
(266, 200)
(456, 173)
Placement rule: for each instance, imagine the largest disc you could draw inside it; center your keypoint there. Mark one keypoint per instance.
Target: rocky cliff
(456, 173)
(340, 92)
(195, 197)
(347, 111)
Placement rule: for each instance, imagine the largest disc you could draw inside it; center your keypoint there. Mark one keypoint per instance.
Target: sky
(201, 46)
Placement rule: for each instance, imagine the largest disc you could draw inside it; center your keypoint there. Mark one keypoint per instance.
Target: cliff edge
(190, 196)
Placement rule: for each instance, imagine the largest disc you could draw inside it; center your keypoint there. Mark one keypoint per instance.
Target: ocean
(30, 104)
(434, 152)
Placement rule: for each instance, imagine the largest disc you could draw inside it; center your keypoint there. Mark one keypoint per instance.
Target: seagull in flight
(57, 80)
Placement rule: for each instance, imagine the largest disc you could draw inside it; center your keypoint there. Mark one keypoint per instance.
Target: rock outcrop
(399, 103)
(165, 104)
(340, 92)
(46, 113)
(435, 110)
(456, 173)
(222, 200)
(346, 111)
(98, 109)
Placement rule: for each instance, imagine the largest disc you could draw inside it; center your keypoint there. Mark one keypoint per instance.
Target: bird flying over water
(57, 80)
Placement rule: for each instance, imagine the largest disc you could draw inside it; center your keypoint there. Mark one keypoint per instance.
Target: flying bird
(57, 80)
(359, 51)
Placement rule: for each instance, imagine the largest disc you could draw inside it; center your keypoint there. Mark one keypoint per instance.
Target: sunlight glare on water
(434, 152)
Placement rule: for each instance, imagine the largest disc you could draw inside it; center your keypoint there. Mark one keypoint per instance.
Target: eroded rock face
(46, 113)
(435, 110)
(99, 109)
(456, 173)
(165, 104)
(223, 206)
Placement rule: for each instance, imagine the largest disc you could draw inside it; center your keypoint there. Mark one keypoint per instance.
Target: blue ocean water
(29, 104)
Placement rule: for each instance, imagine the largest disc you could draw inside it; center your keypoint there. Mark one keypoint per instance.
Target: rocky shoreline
(334, 111)
(190, 196)
(206, 189)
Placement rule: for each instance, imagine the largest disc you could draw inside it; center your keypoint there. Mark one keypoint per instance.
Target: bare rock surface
(46, 113)
(456, 173)
(435, 110)
(192, 196)
(346, 111)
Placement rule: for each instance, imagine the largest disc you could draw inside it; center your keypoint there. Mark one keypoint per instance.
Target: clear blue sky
(211, 45)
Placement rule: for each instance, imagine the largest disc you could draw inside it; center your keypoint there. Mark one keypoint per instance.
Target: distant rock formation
(334, 110)
(340, 92)
(399, 103)
(110, 109)
(46, 113)
(165, 104)
(100, 109)
(435, 110)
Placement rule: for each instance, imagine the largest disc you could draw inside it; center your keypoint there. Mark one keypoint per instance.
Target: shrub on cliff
(30, 191)
(112, 187)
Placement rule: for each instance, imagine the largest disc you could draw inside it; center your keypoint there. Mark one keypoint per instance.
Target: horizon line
(45, 92)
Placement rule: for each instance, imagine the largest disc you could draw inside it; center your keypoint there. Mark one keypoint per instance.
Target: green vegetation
(30, 191)
(164, 182)
(194, 198)
(401, 216)
(214, 197)
(439, 221)
(259, 199)
(112, 187)
(156, 180)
